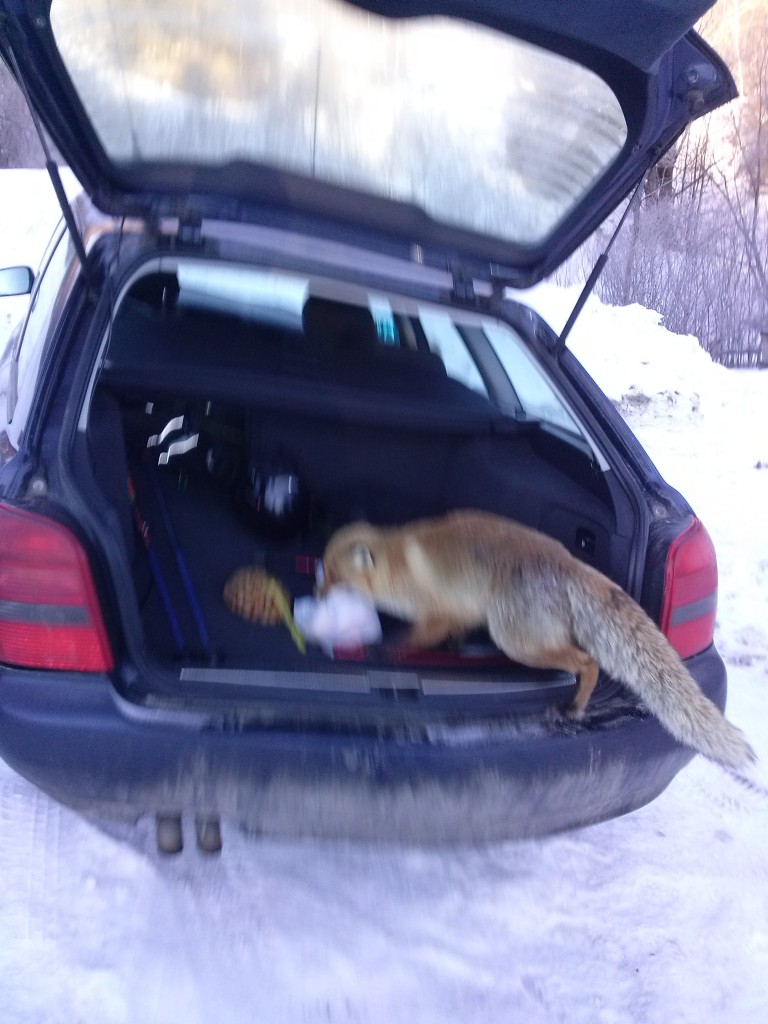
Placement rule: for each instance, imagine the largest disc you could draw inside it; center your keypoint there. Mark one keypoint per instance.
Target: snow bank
(640, 365)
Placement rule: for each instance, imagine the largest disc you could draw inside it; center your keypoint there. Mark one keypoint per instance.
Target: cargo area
(203, 404)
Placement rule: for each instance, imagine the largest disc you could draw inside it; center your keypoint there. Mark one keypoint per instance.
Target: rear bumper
(72, 737)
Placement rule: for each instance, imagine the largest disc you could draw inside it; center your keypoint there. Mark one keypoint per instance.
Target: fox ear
(361, 558)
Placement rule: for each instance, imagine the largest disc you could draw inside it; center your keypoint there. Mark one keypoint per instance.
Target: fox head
(349, 559)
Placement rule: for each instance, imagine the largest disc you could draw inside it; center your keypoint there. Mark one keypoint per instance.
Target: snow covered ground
(658, 916)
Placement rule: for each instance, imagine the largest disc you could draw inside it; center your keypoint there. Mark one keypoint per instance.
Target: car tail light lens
(49, 613)
(689, 607)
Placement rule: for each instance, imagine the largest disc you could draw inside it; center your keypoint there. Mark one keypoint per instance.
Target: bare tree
(741, 179)
(697, 251)
(743, 182)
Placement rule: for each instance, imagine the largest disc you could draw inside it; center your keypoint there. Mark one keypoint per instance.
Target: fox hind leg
(578, 663)
(567, 658)
(586, 671)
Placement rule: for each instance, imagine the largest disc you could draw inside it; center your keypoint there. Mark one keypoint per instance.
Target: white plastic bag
(342, 618)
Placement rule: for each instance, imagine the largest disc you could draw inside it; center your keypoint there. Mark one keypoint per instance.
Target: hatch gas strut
(597, 270)
(53, 170)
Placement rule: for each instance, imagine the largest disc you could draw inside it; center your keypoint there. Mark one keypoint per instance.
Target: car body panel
(148, 738)
(108, 745)
(89, 749)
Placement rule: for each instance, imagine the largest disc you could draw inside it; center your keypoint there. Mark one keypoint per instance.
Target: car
(291, 296)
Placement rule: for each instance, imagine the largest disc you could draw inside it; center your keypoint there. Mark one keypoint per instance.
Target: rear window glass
(534, 391)
(444, 339)
(481, 131)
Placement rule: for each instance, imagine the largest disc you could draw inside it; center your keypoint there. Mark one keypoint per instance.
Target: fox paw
(560, 722)
(564, 713)
(564, 719)
(574, 714)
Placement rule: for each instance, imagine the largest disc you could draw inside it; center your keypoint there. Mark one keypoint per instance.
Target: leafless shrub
(696, 250)
(698, 254)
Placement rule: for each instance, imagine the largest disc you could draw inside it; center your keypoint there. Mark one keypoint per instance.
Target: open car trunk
(385, 413)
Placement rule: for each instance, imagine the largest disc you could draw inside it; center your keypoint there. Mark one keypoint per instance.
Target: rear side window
(534, 392)
(491, 359)
(444, 339)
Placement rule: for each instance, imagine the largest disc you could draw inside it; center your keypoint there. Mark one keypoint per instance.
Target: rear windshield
(479, 130)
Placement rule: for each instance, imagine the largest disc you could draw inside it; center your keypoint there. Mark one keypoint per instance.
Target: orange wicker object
(255, 595)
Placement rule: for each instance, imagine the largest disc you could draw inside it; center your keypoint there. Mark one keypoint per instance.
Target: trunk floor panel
(215, 541)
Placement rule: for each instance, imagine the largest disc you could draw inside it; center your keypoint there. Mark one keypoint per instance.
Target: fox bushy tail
(628, 645)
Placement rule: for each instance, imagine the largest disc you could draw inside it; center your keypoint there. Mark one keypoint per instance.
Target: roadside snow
(661, 915)
(28, 214)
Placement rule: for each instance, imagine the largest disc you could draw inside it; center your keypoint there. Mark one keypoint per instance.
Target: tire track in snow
(29, 898)
(44, 904)
(29, 852)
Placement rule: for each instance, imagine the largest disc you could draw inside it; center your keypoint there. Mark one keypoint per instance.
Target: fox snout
(326, 577)
(350, 564)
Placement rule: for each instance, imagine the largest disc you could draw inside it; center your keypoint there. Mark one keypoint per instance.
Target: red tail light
(49, 612)
(689, 607)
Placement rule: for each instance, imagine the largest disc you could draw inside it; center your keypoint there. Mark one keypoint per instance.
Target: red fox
(542, 607)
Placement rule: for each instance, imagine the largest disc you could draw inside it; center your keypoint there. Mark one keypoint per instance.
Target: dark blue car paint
(75, 738)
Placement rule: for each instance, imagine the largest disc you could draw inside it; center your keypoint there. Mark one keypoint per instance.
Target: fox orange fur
(541, 606)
